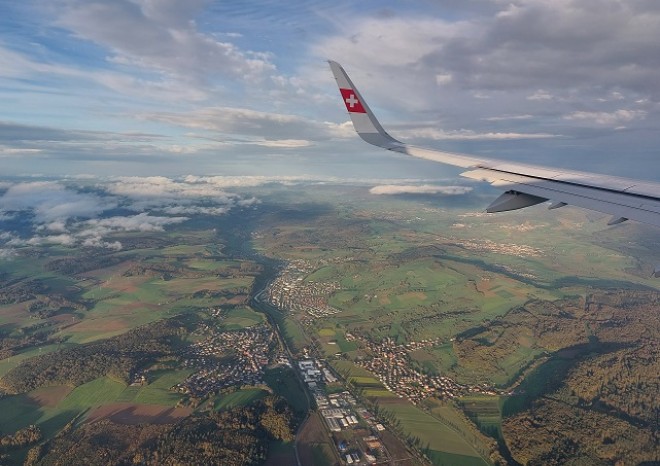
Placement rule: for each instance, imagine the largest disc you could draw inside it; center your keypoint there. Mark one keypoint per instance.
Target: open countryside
(339, 330)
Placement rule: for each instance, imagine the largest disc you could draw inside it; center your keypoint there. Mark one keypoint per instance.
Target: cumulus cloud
(92, 233)
(161, 36)
(158, 192)
(76, 212)
(51, 201)
(420, 189)
(142, 222)
(7, 253)
(534, 58)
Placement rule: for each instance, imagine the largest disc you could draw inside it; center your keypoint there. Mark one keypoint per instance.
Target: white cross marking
(351, 101)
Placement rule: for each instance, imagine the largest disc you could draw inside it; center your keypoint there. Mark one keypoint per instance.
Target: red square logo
(353, 104)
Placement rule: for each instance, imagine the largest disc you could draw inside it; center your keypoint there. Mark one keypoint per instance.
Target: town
(290, 291)
(389, 362)
(228, 358)
(392, 366)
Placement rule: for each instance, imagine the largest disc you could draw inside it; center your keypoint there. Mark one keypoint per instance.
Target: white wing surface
(523, 185)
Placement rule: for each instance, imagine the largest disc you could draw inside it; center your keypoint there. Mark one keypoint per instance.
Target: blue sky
(169, 87)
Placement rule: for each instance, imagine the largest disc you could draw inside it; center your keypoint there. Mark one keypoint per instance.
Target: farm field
(445, 446)
(241, 397)
(485, 410)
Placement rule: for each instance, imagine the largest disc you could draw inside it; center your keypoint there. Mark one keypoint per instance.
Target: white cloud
(443, 79)
(161, 37)
(243, 125)
(468, 135)
(51, 201)
(63, 239)
(141, 222)
(420, 189)
(7, 253)
(58, 226)
(284, 143)
(97, 242)
(540, 95)
(69, 214)
(509, 117)
(613, 119)
(6, 150)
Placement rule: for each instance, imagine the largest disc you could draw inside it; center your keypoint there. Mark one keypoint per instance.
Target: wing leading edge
(523, 185)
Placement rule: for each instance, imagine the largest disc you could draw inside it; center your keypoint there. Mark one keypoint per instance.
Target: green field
(443, 443)
(95, 393)
(19, 411)
(241, 397)
(485, 411)
(326, 332)
(157, 391)
(241, 317)
(284, 382)
(8, 364)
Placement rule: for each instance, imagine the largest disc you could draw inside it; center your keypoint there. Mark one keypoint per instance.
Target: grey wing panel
(619, 204)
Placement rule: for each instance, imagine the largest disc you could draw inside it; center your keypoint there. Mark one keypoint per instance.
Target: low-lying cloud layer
(90, 212)
(81, 214)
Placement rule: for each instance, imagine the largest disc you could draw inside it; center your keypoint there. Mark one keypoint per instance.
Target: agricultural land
(327, 325)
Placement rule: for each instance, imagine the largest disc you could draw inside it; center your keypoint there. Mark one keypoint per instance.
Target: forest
(117, 357)
(235, 437)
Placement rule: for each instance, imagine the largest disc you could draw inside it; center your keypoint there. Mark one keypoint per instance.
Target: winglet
(364, 121)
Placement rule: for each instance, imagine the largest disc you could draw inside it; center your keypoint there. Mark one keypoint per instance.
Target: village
(391, 364)
(226, 359)
(290, 291)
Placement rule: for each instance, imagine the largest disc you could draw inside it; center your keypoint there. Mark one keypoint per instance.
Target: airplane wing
(523, 185)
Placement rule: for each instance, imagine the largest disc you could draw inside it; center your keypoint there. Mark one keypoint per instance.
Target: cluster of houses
(290, 291)
(390, 362)
(227, 359)
(520, 250)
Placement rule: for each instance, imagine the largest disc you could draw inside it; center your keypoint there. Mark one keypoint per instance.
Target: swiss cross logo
(352, 102)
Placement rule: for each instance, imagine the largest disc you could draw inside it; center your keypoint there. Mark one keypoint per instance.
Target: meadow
(444, 445)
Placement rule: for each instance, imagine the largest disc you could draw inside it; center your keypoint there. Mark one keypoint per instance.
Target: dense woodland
(21, 291)
(76, 265)
(239, 436)
(22, 437)
(599, 402)
(118, 357)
